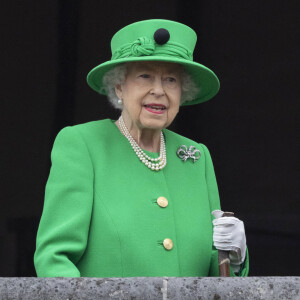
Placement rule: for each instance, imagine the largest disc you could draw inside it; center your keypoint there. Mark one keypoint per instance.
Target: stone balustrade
(181, 288)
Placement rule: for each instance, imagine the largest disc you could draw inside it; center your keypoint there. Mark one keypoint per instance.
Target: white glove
(229, 235)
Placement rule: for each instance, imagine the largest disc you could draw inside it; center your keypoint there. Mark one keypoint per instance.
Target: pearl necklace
(154, 164)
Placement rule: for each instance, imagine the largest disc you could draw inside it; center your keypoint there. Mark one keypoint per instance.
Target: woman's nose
(157, 88)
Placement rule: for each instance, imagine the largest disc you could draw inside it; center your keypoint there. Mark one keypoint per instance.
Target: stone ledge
(181, 288)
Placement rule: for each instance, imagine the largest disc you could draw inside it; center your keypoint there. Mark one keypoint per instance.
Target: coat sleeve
(213, 196)
(64, 225)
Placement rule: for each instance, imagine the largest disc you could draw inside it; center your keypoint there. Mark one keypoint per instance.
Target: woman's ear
(118, 90)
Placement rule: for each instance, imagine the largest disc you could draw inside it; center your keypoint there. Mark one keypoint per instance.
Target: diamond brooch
(184, 153)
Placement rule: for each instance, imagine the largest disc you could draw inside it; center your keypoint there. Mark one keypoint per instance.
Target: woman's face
(151, 94)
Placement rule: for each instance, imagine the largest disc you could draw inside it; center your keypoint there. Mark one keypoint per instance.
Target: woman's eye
(145, 76)
(171, 79)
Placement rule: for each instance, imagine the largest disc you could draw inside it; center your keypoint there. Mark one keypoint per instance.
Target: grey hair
(117, 75)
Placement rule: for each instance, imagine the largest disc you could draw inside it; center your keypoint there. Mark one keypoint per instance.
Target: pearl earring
(120, 101)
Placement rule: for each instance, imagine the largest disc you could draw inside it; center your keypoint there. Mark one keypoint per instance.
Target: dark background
(250, 127)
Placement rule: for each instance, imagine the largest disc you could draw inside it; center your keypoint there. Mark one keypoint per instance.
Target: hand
(229, 235)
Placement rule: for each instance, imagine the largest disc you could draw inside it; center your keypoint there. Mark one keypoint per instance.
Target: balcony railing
(181, 288)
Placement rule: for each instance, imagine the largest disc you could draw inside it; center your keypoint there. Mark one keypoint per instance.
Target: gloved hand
(229, 235)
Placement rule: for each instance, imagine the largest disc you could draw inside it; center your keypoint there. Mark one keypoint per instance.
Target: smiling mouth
(157, 107)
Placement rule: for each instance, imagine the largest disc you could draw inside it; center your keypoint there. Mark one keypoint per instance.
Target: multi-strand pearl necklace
(154, 164)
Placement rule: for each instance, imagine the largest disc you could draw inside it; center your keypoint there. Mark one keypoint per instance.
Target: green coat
(101, 217)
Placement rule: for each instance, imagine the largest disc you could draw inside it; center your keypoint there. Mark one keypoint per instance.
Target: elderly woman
(131, 198)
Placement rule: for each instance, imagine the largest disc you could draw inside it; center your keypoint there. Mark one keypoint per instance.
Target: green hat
(158, 40)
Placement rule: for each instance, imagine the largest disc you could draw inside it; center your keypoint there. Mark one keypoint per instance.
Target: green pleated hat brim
(203, 77)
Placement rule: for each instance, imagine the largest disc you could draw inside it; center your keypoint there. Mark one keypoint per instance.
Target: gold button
(162, 201)
(168, 244)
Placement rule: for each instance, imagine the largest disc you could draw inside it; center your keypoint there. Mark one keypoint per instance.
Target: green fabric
(149, 46)
(135, 42)
(101, 218)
